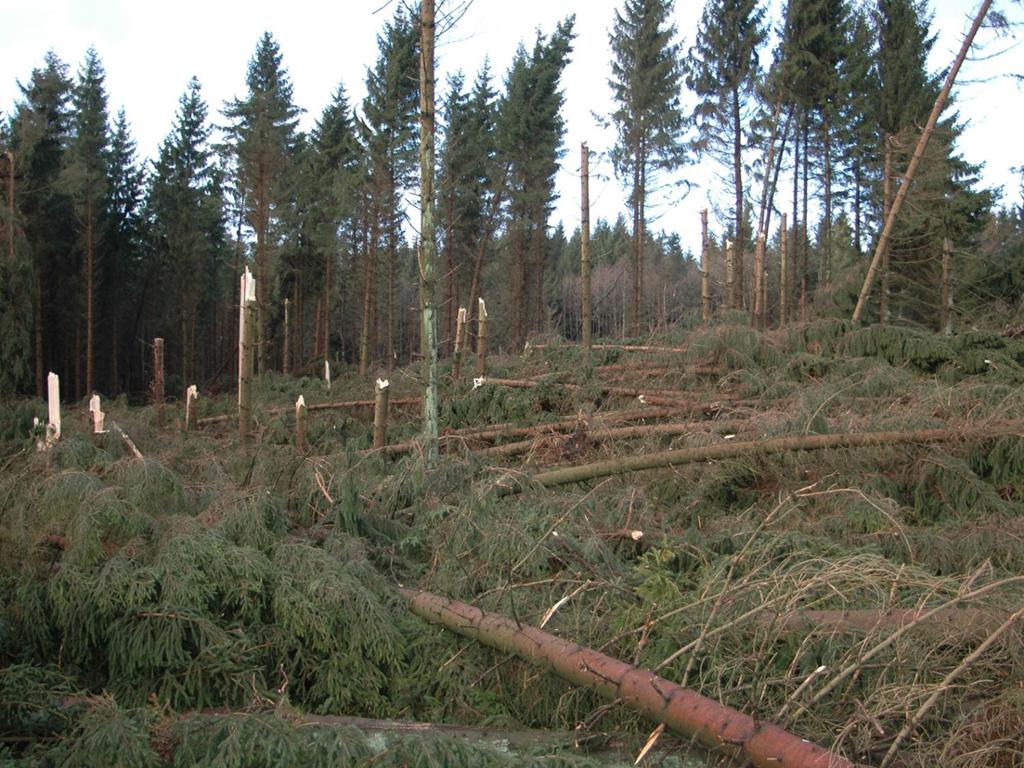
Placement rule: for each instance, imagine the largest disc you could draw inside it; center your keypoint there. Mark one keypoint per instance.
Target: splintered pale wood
(708, 722)
(661, 459)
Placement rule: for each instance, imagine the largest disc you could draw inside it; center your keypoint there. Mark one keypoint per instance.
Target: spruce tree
(187, 223)
(390, 133)
(723, 70)
(86, 175)
(263, 136)
(40, 133)
(530, 129)
(120, 285)
(646, 80)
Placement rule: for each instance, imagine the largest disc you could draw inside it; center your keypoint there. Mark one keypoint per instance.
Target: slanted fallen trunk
(708, 722)
(602, 435)
(581, 472)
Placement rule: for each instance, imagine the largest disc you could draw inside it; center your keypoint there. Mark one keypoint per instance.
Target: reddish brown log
(706, 721)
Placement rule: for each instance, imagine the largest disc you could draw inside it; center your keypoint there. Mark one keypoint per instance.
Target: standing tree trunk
(783, 271)
(886, 286)
(758, 299)
(89, 318)
(946, 314)
(736, 295)
(705, 267)
(37, 310)
(328, 265)
(795, 240)
(429, 246)
(369, 271)
(826, 251)
(262, 263)
(805, 243)
(585, 244)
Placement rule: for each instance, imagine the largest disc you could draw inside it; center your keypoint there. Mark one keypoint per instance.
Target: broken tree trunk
(579, 473)
(380, 414)
(915, 160)
(191, 397)
(651, 397)
(705, 720)
(460, 343)
(300, 424)
(705, 274)
(481, 340)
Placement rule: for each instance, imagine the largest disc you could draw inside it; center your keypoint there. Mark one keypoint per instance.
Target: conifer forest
(334, 443)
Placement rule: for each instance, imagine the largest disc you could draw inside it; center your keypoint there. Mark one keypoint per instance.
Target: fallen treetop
(686, 712)
(581, 472)
(338, 405)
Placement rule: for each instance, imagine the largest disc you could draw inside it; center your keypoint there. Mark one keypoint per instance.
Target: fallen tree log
(624, 433)
(581, 472)
(651, 397)
(614, 347)
(686, 712)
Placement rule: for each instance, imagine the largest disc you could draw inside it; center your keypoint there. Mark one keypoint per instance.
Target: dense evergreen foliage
(107, 250)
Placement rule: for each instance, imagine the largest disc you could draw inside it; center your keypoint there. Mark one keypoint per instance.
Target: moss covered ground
(137, 597)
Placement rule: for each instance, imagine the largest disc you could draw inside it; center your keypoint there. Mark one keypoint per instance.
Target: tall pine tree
(646, 80)
(263, 136)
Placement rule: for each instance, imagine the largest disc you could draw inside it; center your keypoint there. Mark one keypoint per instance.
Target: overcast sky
(151, 49)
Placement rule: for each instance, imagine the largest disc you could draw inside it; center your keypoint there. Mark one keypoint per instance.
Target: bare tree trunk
(686, 712)
(915, 160)
(758, 299)
(328, 269)
(886, 286)
(736, 299)
(427, 235)
(824, 276)
(89, 316)
(805, 243)
(369, 271)
(705, 269)
(783, 271)
(37, 310)
(585, 245)
(946, 314)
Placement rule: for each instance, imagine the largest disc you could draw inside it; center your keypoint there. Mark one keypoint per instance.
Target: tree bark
(915, 160)
(706, 721)
(89, 274)
(783, 271)
(705, 267)
(585, 246)
(369, 271)
(427, 237)
(736, 300)
(886, 282)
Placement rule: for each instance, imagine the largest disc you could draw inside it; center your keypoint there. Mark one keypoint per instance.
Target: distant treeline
(104, 250)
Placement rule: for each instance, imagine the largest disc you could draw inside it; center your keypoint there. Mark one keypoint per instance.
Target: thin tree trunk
(826, 251)
(429, 245)
(736, 300)
(369, 270)
(705, 269)
(886, 284)
(262, 265)
(795, 241)
(686, 712)
(805, 244)
(783, 271)
(38, 332)
(89, 316)
(328, 269)
(585, 245)
(946, 314)
(915, 160)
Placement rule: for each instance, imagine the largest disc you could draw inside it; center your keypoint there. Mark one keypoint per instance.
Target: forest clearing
(296, 472)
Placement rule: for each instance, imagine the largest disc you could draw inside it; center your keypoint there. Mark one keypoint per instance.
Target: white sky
(151, 49)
